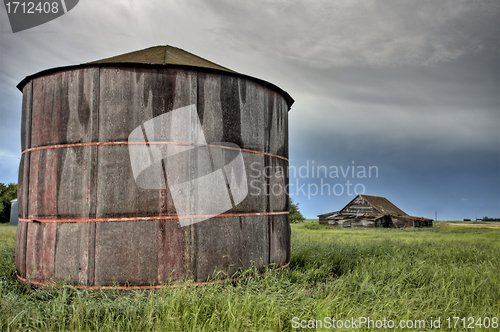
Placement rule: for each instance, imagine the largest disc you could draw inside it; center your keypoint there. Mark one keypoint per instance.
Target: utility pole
(436, 218)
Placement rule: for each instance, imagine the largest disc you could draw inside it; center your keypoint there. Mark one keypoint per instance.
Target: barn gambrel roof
(381, 204)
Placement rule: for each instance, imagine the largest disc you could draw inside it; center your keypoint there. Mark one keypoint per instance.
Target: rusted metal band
(52, 283)
(59, 146)
(42, 220)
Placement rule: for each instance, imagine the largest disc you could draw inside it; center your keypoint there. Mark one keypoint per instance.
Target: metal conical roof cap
(162, 55)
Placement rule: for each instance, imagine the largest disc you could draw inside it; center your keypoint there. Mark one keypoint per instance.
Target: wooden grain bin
(82, 216)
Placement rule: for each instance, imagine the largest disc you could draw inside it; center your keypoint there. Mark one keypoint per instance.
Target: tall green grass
(341, 273)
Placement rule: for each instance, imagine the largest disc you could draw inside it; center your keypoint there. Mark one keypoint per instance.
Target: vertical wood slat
(22, 231)
(40, 252)
(96, 87)
(24, 166)
(23, 181)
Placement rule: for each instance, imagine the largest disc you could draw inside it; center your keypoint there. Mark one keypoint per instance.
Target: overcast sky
(410, 87)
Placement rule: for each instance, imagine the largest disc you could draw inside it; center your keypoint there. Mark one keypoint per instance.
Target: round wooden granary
(151, 167)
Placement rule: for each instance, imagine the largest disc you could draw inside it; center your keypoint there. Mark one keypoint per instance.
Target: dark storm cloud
(360, 33)
(409, 86)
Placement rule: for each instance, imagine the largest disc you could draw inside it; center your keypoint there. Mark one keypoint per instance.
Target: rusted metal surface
(86, 221)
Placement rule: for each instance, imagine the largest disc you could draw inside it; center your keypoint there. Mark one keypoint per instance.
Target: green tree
(7, 194)
(295, 215)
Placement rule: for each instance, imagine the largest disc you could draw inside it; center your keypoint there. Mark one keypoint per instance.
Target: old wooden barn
(372, 211)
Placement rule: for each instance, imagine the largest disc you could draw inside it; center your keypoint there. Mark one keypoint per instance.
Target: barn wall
(323, 220)
(423, 223)
(350, 223)
(401, 223)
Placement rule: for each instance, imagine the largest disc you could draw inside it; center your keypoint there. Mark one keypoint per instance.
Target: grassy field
(420, 275)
